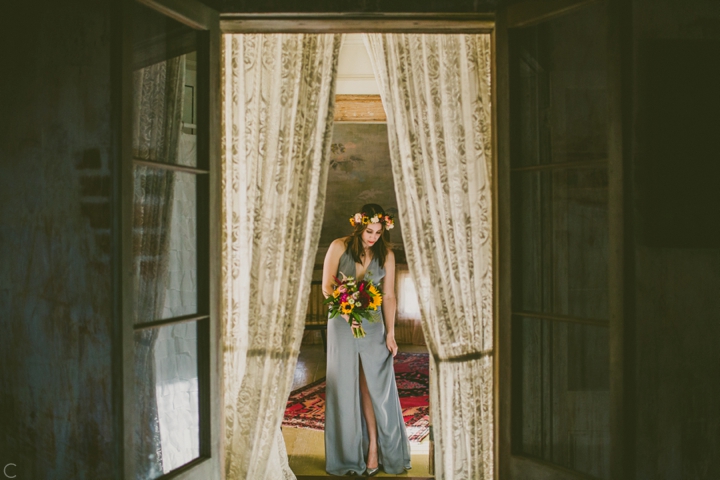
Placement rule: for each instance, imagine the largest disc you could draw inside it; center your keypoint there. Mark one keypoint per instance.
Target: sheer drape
(436, 92)
(157, 122)
(279, 97)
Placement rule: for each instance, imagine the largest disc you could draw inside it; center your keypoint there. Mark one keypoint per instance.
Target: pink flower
(358, 218)
(342, 289)
(344, 298)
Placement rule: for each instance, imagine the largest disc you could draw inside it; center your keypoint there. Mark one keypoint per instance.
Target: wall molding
(357, 23)
(359, 108)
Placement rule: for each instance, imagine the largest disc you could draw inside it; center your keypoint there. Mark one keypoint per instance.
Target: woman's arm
(330, 266)
(389, 302)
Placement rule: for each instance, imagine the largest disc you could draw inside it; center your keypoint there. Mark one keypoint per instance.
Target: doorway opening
(437, 92)
(360, 172)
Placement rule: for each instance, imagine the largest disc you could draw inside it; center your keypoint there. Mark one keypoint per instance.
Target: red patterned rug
(306, 405)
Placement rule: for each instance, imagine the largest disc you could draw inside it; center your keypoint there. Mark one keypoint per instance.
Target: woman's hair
(353, 243)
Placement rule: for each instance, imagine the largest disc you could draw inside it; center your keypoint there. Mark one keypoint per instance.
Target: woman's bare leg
(372, 461)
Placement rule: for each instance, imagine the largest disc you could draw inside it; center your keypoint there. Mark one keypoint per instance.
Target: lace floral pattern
(436, 92)
(279, 102)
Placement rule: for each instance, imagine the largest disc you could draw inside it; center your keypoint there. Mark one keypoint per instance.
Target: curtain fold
(279, 102)
(157, 122)
(436, 93)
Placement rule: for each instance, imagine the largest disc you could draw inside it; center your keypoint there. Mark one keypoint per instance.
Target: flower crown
(362, 218)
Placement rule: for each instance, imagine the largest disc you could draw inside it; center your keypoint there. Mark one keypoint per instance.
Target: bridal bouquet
(358, 300)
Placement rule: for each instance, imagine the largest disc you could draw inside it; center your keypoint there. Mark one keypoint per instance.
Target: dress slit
(346, 433)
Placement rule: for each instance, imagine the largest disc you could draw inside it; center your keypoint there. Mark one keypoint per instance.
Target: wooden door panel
(531, 12)
(555, 119)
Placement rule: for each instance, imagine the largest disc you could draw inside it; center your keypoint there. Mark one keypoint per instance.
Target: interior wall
(56, 154)
(360, 172)
(560, 250)
(676, 418)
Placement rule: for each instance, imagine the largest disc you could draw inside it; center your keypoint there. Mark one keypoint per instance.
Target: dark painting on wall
(359, 173)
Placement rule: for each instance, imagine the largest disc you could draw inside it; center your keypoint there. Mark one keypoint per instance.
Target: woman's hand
(355, 325)
(391, 344)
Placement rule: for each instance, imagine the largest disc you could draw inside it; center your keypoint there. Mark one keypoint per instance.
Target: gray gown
(346, 438)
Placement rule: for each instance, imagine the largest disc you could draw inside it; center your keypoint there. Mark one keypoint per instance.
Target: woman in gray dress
(364, 427)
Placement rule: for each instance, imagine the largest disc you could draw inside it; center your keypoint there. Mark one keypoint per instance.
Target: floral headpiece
(362, 218)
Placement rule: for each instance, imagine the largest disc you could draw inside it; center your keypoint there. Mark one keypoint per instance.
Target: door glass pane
(164, 243)
(560, 234)
(560, 89)
(170, 241)
(167, 399)
(560, 250)
(563, 384)
(164, 89)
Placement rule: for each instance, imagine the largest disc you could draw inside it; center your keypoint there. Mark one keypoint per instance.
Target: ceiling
(355, 73)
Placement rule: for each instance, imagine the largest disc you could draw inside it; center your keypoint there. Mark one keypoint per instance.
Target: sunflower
(376, 296)
(346, 308)
(336, 293)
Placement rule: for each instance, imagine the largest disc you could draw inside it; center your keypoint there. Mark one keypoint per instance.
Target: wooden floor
(306, 448)
(310, 366)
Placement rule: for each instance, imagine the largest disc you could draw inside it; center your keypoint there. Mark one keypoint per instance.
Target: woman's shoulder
(342, 241)
(339, 244)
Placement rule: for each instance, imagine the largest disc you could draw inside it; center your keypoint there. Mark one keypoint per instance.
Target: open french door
(170, 239)
(560, 330)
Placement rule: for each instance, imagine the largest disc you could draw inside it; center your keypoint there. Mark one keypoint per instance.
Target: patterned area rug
(306, 405)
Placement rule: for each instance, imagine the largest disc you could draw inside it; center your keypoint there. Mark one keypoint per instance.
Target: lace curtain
(436, 92)
(279, 98)
(157, 122)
